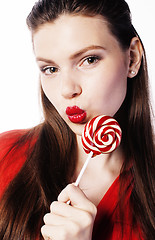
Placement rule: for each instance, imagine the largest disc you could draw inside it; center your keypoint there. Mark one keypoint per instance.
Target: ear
(135, 53)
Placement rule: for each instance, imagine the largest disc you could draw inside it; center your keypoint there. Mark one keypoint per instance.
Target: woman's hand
(68, 222)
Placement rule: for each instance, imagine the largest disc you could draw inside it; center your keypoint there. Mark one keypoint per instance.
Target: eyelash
(44, 69)
(94, 57)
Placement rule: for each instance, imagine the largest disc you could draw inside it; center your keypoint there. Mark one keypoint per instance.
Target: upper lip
(74, 110)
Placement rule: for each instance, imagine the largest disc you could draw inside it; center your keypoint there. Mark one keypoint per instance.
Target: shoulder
(7, 139)
(14, 146)
(17, 139)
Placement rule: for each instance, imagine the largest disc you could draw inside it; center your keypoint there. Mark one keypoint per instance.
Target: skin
(83, 66)
(75, 79)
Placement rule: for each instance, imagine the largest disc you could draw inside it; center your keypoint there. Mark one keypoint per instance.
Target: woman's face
(83, 69)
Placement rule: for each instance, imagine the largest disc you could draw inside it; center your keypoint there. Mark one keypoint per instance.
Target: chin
(77, 128)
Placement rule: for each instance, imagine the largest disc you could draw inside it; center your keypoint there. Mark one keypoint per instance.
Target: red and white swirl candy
(102, 134)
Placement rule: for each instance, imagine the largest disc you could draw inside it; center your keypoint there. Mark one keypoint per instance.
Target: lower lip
(77, 118)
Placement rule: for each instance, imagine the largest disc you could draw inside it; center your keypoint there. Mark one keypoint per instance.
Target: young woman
(92, 62)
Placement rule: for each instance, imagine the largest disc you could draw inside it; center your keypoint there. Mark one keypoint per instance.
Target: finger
(46, 232)
(70, 215)
(54, 232)
(74, 192)
(53, 219)
(77, 197)
(63, 209)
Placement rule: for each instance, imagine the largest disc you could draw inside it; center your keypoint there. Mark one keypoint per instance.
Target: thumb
(77, 198)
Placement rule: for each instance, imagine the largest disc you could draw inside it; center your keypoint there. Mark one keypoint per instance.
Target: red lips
(76, 114)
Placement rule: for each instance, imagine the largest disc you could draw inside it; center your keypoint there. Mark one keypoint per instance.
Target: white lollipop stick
(82, 171)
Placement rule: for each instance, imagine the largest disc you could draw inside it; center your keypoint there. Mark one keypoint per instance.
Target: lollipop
(102, 134)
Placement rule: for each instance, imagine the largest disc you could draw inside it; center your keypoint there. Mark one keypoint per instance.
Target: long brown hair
(51, 161)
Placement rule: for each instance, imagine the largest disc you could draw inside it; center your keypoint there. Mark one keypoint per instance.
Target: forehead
(72, 33)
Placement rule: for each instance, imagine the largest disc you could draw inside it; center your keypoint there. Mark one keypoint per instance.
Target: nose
(70, 86)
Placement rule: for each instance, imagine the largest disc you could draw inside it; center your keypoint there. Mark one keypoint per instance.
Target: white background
(19, 100)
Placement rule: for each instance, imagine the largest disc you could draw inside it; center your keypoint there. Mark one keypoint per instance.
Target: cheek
(117, 85)
(116, 92)
(117, 78)
(112, 82)
(110, 91)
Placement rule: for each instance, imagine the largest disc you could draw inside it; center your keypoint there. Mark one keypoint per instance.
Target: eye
(49, 70)
(90, 61)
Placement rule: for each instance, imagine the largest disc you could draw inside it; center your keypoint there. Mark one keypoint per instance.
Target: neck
(111, 162)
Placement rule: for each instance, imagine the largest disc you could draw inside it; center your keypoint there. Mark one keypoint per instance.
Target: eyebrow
(73, 56)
